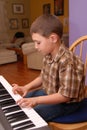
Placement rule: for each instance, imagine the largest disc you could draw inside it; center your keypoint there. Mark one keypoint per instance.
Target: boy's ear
(54, 38)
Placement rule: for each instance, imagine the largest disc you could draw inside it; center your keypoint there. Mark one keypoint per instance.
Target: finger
(30, 105)
(14, 90)
(23, 103)
(26, 105)
(24, 94)
(19, 102)
(14, 85)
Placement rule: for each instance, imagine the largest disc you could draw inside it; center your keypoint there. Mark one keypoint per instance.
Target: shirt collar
(61, 51)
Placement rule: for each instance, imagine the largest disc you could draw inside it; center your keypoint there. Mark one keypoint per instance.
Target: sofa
(33, 57)
(7, 56)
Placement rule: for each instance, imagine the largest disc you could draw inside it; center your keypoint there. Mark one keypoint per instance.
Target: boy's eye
(37, 42)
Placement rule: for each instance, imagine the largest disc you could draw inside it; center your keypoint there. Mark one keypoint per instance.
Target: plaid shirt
(64, 74)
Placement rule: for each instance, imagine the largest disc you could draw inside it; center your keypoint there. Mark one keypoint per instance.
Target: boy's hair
(47, 24)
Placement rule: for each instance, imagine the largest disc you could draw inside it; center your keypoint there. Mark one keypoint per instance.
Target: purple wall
(77, 21)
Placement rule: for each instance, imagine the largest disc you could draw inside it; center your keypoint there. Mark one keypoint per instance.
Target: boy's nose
(36, 46)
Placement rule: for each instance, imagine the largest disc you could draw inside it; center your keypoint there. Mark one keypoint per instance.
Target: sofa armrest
(5, 45)
(32, 56)
(28, 48)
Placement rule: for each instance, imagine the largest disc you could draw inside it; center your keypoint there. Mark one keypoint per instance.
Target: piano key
(11, 109)
(5, 96)
(20, 118)
(13, 113)
(3, 91)
(26, 127)
(21, 125)
(1, 86)
(19, 122)
(6, 107)
(4, 100)
(7, 103)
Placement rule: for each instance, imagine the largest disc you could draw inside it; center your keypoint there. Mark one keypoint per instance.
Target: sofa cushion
(5, 52)
(7, 56)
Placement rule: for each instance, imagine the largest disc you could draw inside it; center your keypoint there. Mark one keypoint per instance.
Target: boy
(59, 90)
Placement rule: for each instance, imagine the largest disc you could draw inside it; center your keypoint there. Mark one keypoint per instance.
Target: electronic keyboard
(12, 116)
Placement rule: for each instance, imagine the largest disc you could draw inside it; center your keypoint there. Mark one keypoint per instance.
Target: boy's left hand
(27, 102)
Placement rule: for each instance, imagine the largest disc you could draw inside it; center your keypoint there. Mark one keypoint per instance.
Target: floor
(18, 73)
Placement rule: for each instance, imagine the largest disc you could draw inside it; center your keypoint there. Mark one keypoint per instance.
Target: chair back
(79, 46)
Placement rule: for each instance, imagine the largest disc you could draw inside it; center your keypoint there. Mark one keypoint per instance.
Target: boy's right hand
(19, 90)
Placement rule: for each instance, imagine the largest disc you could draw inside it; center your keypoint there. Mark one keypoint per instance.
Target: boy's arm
(52, 99)
(35, 84)
(48, 99)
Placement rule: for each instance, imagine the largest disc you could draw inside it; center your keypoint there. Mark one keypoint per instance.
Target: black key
(11, 109)
(3, 91)
(4, 100)
(5, 96)
(25, 127)
(20, 118)
(7, 103)
(29, 122)
(15, 115)
(1, 86)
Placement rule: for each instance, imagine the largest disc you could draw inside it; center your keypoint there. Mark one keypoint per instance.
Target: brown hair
(47, 24)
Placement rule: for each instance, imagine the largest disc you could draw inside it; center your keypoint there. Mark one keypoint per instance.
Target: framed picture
(58, 7)
(13, 23)
(25, 23)
(46, 8)
(18, 8)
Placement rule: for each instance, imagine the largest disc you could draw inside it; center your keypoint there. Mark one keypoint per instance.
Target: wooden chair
(74, 126)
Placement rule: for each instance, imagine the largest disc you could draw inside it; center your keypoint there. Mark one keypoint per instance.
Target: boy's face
(43, 44)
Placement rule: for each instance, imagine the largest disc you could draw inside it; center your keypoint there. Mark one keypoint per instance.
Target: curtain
(3, 22)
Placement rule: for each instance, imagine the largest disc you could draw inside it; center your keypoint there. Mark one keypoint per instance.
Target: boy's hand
(28, 102)
(19, 90)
